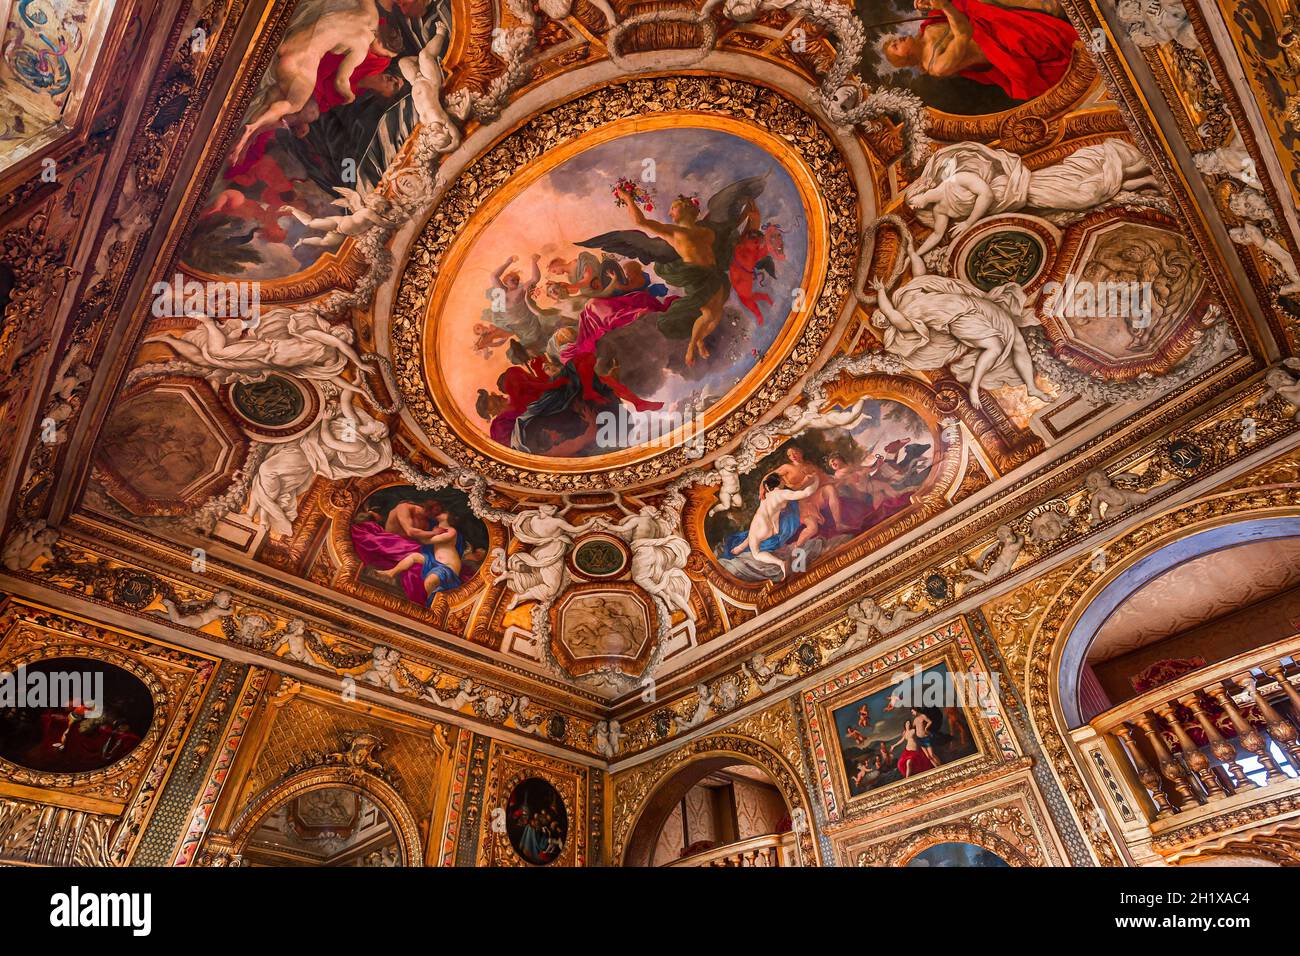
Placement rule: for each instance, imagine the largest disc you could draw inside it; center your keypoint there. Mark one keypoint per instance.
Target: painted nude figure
(426, 525)
(424, 73)
(350, 32)
(799, 473)
(923, 725)
(767, 518)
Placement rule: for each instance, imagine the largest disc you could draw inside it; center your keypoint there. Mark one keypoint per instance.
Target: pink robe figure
(383, 549)
(601, 316)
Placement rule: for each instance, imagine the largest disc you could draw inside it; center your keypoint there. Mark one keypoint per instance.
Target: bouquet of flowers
(640, 195)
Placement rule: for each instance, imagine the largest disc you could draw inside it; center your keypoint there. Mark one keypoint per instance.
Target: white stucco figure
(336, 448)
(659, 556)
(538, 574)
(933, 321)
(1249, 234)
(294, 342)
(382, 671)
(294, 640)
(966, 182)
(220, 606)
(1152, 23)
(729, 496)
(765, 675)
(1107, 500)
(424, 73)
(1007, 548)
(1280, 382)
(27, 543)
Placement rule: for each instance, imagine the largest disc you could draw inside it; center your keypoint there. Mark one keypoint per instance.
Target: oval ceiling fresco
(625, 291)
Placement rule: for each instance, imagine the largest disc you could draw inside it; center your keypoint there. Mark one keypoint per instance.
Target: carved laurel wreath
(763, 108)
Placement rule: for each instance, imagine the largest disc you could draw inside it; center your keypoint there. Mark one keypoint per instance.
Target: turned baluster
(1278, 673)
(1285, 731)
(1150, 779)
(1224, 751)
(1250, 738)
(1170, 768)
(1195, 760)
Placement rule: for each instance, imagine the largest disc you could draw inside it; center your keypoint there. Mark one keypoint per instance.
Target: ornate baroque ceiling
(553, 365)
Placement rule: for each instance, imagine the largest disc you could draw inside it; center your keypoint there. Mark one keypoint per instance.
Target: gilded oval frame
(761, 114)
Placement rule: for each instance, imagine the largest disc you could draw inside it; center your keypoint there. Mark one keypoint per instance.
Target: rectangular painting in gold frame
(834, 707)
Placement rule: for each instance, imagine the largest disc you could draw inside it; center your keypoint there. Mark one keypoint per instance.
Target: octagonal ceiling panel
(1130, 299)
(168, 447)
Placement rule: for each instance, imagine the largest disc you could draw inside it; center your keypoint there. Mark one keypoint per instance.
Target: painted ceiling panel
(598, 343)
(50, 48)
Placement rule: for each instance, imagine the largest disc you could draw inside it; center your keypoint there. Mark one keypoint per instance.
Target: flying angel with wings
(693, 252)
(363, 212)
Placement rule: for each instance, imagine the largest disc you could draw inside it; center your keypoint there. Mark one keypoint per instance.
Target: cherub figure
(363, 213)
(608, 735)
(1154, 22)
(1232, 160)
(1008, 546)
(867, 614)
(424, 73)
(729, 496)
(294, 637)
(464, 696)
(519, 715)
(797, 420)
(382, 671)
(765, 675)
(1278, 381)
(133, 218)
(189, 616)
(1107, 500)
(703, 708)
(70, 378)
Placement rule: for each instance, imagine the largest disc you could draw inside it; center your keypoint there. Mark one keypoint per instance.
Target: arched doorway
(365, 818)
(719, 811)
(1216, 720)
(1156, 611)
(327, 827)
(719, 760)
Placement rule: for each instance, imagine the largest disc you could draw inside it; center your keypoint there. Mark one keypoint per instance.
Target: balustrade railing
(1217, 734)
(773, 849)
